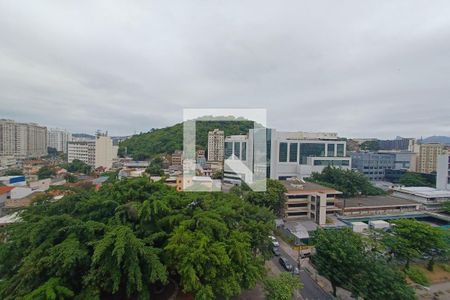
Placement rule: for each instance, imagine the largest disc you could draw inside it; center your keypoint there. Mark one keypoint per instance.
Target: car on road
(276, 251)
(274, 241)
(285, 264)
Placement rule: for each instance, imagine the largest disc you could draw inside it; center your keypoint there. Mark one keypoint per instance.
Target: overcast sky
(359, 68)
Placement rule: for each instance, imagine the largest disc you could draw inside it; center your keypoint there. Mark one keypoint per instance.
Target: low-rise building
(430, 198)
(376, 205)
(307, 200)
(81, 150)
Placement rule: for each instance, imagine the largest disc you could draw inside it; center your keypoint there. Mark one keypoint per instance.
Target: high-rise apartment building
(443, 172)
(22, 140)
(58, 139)
(81, 150)
(428, 154)
(105, 151)
(215, 145)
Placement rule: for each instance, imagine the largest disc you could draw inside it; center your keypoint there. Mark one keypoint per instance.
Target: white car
(274, 241)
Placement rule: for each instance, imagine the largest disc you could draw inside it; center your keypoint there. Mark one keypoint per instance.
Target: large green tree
(351, 183)
(413, 179)
(411, 239)
(348, 261)
(281, 287)
(131, 238)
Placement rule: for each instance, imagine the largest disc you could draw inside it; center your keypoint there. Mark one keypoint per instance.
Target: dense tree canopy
(273, 198)
(155, 167)
(348, 261)
(350, 183)
(413, 179)
(13, 172)
(167, 140)
(45, 172)
(281, 287)
(411, 239)
(132, 238)
(77, 166)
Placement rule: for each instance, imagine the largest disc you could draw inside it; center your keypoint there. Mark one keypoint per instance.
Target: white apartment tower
(81, 150)
(22, 140)
(58, 139)
(215, 145)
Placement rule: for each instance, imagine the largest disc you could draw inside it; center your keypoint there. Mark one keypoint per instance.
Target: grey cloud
(358, 68)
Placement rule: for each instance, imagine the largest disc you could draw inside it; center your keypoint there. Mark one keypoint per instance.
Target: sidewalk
(320, 280)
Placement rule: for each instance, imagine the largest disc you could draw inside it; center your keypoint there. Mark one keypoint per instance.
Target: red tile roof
(5, 189)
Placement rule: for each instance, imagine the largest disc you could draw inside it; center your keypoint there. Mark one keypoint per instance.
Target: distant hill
(167, 140)
(437, 139)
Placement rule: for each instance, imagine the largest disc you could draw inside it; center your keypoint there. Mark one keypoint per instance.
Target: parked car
(285, 264)
(274, 241)
(276, 251)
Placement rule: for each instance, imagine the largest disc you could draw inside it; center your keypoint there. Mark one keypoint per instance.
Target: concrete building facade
(105, 151)
(22, 140)
(306, 200)
(215, 145)
(443, 172)
(58, 139)
(81, 150)
(428, 154)
(372, 164)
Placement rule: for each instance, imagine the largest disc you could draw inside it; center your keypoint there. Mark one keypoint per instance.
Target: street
(311, 290)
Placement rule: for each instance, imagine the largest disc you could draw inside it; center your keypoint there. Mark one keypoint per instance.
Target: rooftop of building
(423, 191)
(5, 189)
(374, 201)
(298, 185)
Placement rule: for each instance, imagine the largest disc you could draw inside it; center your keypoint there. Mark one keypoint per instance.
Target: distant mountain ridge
(437, 139)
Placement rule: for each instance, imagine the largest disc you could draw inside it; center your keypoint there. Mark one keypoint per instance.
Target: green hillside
(167, 140)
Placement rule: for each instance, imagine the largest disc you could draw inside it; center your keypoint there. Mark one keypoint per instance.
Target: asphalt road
(311, 290)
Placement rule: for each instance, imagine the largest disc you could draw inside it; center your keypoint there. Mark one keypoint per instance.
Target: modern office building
(81, 150)
(306, 200)
(443, 172)
(299, 154)
(403, 159)
(372, 164)
(58, 139)
(105, 151)
(283, 154)
(428, 154)
(215, 145)
(22, 140)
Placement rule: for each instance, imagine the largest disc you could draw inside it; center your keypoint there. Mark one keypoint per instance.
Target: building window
(237, 149)
(244, 151)
(340, 150)
(330, 150)
(283, 152)
(311, 149)
(228, 149)
(293, 152)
